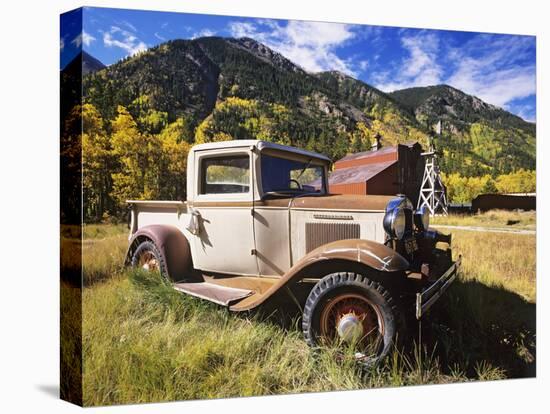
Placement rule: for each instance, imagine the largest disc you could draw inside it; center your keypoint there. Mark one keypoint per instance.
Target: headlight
(422, 218)
(395, 223)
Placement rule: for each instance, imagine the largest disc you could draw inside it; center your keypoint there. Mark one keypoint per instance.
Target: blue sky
(500, 69)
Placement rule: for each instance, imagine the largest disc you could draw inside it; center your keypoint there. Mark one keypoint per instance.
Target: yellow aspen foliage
(137, 155)
(96, 163)
(462, 189)
(521, 181)
(202, 133)
(173, 160)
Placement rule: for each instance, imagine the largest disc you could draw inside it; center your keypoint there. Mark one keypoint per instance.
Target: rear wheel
(148, 257)
(350, 310)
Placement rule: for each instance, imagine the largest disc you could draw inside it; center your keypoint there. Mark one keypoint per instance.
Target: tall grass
(145, 342)
(103, 249)
(498, 260)
(100, 231)
(71, 342)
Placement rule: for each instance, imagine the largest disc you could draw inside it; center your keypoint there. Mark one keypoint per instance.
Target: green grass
(492, 218)
(145, 342)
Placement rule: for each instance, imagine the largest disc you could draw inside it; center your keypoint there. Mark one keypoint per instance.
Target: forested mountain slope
(239, 88)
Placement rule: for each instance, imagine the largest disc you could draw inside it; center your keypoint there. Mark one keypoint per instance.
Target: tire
(348, 307)
(148, 257)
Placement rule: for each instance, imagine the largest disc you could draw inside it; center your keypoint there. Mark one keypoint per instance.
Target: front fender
(171, 242)
(369, 253)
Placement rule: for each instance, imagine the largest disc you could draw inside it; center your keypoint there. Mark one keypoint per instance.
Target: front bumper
(430, 295)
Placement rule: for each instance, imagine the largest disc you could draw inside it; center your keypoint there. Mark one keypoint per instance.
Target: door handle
(194, 226)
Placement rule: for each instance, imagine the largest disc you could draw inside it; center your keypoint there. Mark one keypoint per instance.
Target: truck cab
(239, 193)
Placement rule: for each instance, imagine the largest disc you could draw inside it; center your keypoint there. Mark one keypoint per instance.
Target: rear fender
(367, 253)
(172, 244)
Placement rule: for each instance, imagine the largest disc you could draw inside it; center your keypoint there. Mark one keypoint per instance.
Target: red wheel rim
(349, 309)
(148, 261)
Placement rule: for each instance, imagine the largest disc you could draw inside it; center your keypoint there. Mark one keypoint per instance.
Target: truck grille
(318, 234)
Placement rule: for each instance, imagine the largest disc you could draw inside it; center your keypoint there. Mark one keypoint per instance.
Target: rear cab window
(225, 174)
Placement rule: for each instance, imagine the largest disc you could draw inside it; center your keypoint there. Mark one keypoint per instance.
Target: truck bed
(144, 213)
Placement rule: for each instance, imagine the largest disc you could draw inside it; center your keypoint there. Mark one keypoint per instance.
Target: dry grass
(492, 218)
(103, 249)
(498, 260)
(101, 231)
(145, 342)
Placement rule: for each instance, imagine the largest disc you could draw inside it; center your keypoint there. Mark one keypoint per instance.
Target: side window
(228, 174)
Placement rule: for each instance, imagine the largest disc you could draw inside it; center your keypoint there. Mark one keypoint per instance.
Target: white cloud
(83, 37)
(123, 39)
(492, 69)
(87, 39)
(311, 45)
(129, 25)
(77, 41)
(527, 112)
(419, 68)
(62, 44)
(498, 87)
(203, 33)
(159, 37)
(422, 63)
(245, 29)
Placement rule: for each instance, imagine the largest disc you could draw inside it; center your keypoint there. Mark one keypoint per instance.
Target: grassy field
(493, 218)
(145, 342)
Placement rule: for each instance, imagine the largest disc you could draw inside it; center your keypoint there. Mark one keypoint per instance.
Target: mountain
(239, 88)
(356, 92)
(265, 54)
(477, 135)
(90, 64)
(455, 108)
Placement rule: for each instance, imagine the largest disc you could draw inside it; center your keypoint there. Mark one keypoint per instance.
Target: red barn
(387, 171)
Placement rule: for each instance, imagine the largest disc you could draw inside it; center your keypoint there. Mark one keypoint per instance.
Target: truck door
(224, 202)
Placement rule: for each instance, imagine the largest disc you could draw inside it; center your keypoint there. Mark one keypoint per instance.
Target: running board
(222, 295)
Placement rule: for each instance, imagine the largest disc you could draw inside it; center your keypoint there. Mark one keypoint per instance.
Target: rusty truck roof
(260, 145)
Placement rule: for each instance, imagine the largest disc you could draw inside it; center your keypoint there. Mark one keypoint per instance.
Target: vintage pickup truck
(259, 225)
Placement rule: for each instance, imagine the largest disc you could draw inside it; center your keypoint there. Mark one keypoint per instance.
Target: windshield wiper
(305, 168)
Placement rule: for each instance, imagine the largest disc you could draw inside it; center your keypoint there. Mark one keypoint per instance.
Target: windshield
(281, 175)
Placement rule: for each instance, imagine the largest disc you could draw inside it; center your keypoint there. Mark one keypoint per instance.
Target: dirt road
(487, 229)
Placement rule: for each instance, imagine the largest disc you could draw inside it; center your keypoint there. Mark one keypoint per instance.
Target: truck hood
(336, 202)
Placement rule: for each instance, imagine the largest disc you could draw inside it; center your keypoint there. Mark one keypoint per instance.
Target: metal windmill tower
(432, 191)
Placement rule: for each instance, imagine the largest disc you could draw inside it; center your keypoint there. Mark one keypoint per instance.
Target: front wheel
(351, 310)
(148, 257)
